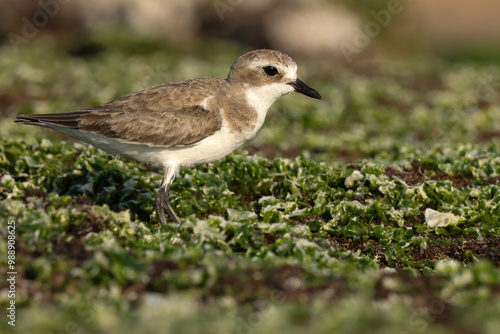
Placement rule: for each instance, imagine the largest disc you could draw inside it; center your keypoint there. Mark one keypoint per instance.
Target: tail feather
(68, 120)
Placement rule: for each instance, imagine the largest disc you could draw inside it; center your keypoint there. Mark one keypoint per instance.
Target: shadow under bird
(179, 124)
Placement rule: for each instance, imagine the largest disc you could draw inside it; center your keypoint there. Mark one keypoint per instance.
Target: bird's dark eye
(270, 70)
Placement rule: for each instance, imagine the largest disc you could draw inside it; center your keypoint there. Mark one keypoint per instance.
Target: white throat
(262, 97)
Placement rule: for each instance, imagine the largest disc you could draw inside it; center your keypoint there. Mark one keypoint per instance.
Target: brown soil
(416, 175)
(461, 252)
(458, 251)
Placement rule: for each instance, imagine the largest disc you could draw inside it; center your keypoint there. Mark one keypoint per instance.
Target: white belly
(210, 149)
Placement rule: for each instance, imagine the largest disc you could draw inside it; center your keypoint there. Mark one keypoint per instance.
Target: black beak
(301, 87)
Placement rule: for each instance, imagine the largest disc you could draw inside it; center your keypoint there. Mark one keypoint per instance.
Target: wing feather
(173, 114)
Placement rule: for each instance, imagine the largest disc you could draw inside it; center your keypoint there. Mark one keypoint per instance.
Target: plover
(179, 124)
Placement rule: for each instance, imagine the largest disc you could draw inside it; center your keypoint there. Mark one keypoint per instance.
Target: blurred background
(318, 29)
(390, 71)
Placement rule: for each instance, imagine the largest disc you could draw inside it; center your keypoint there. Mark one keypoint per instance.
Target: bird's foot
(163, 207)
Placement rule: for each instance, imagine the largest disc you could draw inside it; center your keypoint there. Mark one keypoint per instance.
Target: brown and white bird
(179, 124)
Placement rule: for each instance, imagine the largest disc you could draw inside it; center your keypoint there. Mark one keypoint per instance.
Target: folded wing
(176, 114)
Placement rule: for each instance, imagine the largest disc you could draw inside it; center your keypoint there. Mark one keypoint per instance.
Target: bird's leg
(161, 200)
